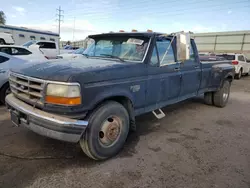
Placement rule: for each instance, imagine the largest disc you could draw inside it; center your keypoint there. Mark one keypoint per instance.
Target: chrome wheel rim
(225, 93)
(110, 131)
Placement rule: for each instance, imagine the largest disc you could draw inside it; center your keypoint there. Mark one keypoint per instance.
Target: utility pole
(59, 19)
(74, 31)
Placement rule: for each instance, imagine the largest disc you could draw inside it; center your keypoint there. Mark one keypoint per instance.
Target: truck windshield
(79, 51)
(27, 44)
(122, 48)
(228, 57)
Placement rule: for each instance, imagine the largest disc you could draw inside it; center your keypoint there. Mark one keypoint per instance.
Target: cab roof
(144, 34)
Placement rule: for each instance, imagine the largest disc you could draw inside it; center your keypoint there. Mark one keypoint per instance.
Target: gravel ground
(195, 145)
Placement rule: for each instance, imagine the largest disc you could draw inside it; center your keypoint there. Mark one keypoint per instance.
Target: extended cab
(94, 100)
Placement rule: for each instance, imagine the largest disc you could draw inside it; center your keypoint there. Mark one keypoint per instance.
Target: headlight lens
(63, 94)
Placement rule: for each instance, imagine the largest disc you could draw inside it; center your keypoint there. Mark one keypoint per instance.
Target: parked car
(242, 67)
(93, 101)
(23, 53)
(7, 62)
(211, 58)
(75, 54)
(6, 38)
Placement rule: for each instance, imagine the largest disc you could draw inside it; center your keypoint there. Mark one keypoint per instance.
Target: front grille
(27, 89)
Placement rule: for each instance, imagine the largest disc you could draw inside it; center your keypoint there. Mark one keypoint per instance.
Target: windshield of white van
(119, 47)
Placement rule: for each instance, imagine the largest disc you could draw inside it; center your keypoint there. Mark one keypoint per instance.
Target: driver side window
(162, 47)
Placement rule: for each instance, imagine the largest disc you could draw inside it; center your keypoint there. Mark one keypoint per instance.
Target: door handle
(196, 67)
(176, 69)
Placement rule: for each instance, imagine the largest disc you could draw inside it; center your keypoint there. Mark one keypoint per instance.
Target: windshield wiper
(112, 56)
(86, 55)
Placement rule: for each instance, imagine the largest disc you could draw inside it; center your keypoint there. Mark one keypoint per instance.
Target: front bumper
(46, 124)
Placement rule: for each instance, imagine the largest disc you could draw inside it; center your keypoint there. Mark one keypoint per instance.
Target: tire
(221, 96)
(2, 42)
(208, 98)
(238, 76)
(107, 131)
(5, 90)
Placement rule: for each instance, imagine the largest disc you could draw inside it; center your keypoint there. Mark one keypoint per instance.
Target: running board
(160, 114)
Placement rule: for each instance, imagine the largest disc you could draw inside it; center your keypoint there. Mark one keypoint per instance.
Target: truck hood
(63, 70)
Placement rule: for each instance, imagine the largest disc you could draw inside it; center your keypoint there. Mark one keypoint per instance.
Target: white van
(6, 38)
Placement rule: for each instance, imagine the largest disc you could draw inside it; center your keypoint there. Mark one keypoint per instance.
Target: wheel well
(229, 78)
(7, 83)
(128, 105)
(2, 40)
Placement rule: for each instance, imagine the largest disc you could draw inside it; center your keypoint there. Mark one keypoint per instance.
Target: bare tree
(2, 18)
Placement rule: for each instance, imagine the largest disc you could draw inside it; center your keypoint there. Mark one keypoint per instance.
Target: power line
(145, 8)
(179, 11)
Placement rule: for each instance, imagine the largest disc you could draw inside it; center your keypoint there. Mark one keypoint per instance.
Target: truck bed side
(214, 73)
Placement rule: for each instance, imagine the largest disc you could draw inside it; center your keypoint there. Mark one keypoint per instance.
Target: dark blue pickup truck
(94, 100)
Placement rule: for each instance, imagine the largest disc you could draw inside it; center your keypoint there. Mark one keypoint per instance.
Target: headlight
(63, 94)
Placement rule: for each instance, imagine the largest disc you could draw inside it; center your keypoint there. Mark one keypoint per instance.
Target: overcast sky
(98, 16)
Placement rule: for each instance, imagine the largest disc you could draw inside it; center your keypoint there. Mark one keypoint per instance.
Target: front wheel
(5, 90)
(107, 131)
(221, 96)
(2, 42)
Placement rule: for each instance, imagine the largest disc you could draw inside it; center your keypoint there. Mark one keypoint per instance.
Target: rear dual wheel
(107, 131)
(220, 97)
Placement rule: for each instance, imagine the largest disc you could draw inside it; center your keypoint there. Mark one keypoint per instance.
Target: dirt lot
(194, 146)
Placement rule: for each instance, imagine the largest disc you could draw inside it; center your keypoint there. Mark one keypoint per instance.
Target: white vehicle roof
(15, 46)
(6, 34)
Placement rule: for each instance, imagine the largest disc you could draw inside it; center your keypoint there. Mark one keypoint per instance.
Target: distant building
(23, 34)
(224, 42)
(80, 43)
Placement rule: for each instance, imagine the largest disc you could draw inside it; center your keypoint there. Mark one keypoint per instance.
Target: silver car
(6, 63)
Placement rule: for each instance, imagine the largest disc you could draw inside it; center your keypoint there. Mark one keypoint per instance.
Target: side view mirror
(183, 46)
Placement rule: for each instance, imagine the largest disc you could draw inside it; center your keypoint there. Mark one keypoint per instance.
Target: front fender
(110, 93)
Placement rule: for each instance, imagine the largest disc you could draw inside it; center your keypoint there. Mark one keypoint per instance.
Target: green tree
(2, 18)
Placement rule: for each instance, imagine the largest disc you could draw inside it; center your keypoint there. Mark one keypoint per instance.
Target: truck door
(164, 77)
(191, 74)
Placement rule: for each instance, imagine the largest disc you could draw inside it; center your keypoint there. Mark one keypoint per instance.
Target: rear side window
(3, 59)
(5, 50)
(47, 45)
(20, 51)
(241, 58)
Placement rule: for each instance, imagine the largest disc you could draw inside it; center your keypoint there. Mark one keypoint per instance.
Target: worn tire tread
(208, 98)
(218, 96)
(85, 145)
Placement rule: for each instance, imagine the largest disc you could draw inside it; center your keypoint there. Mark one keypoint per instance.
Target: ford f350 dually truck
(94, 100)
